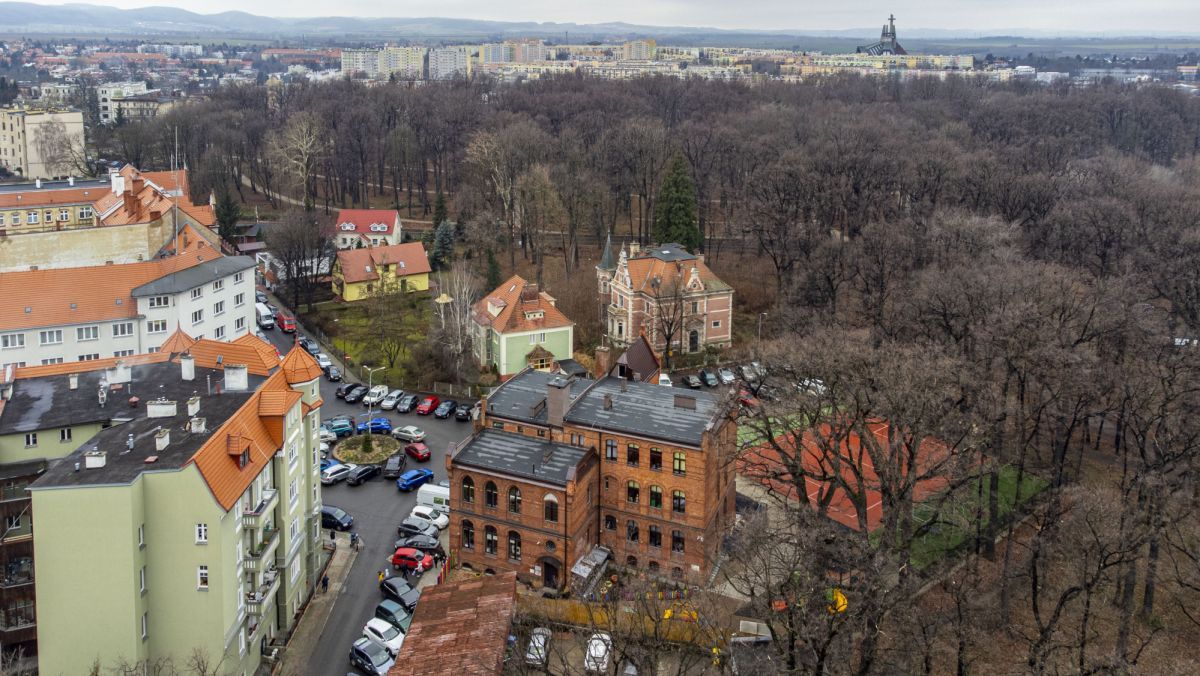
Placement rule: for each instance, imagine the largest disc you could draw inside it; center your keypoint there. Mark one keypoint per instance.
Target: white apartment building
(365, 61)
(504, 52)
(446, 62)
(109, 91)
(83, 314)
(405, 62)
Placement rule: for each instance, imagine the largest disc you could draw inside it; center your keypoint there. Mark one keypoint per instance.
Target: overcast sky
(985, 16)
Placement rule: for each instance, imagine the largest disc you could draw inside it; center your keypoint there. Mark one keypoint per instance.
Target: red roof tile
(519, 306)
(362, 265)
(385, 220)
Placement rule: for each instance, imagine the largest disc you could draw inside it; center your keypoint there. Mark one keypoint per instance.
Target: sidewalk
(304, 639)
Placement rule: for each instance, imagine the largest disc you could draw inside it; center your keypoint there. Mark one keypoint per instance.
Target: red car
(427, 405)
(285, 323)
(412, 559)
(417, 451)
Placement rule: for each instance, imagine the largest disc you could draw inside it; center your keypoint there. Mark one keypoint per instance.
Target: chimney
(162, 438)
(603, 361)
(71, 181)
(607, 402)
(138, 183)
(161, 408)
(118, 183)
(700, 257)
(188, 364)
(193, 406)
(130, 201)
(197, 425)
(73, 381)
(94, 459)
(236, 378)
(558, 392)
(634, 249)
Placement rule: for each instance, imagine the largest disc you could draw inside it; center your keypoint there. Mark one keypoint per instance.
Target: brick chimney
(558, 393)
(604, 361)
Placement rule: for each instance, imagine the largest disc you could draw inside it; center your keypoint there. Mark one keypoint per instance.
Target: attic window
(534, 315)
(512, 288)
(401, 264)
(118, 301)
(378, 227)
(347, 226)
(367, 268)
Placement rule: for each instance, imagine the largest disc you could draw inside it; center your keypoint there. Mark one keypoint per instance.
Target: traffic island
(366, 449)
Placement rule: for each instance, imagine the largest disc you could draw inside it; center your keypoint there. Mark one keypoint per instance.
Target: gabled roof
(178, 343)
(277, 402)
(516, 305)
(265, 350)
(362, 265)
(671, 264)
(197, 275)
(299, 366)
(366, 221)
(639, 360)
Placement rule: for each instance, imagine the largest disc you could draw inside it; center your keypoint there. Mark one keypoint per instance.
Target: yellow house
(359, 272)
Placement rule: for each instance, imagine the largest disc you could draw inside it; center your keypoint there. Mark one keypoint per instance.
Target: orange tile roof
(361, 265)
(265, 350)
(308, 408)
(69, 367)
(299, 366)
(207, 352)
(645, 268)
(277, 402)
(81, 295)
(177, 343)
(514, 307)
(48, 198)
(363, 219)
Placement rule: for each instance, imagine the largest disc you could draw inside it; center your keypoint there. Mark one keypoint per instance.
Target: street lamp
(370, 386)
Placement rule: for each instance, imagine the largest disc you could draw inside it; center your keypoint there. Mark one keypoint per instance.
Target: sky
(984, 16)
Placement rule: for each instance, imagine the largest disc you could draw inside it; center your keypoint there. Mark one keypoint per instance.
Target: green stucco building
(517, 325)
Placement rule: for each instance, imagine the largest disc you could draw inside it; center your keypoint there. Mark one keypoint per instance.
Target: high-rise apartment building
(639, 50)
(447, 62)
(407, 63)
(364, 62)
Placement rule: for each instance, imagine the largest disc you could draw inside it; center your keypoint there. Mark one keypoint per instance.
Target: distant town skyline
(1066, 17)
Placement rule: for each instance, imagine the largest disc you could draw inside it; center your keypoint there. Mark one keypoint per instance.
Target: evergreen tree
(227, 212)
(493, 270)
(439, 210)
(675, 211)
(443, 246)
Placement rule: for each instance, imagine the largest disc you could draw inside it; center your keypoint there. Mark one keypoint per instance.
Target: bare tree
(302, 244)
(299, 148)
(61, 152)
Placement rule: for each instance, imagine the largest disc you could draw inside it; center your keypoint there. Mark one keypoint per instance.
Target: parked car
(399, 590)
(463, 412)
(326, 434)
(326, 463)
(334, 374)
(727, 377)
(285, 322)
(336, 473)
(691, 381)
(375, 426)
(746, 399)
(343, 389)
(411, 526)
(260, 297)
(370, 657)
(407, 403)
(310, 345)
(394, 614)
(431, 515)
(708, 378)
(428, 405)
(409, 433)
(413, 478)
(384, 634)
(539, 647)
(375, 395)
(424, 543)
(598, 653)
(355, 394)
(324, 362)
(340, 428)
(445, 409)
(335, 518)
(272, 307)
(362, 474)
(393, 466)
(665, 380)
(389, 402)
(417, 451)
(411, 559)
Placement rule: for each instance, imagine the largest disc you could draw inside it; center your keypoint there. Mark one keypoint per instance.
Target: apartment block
(447, 62)
(34, 146)
(108, 93)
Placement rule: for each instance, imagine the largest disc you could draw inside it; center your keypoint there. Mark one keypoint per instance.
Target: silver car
(409, 433)
(389, 402)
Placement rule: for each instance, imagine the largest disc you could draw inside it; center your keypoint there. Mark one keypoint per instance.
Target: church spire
(606, 260)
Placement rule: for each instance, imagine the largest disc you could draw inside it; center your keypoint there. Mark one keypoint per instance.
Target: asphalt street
(377, 508)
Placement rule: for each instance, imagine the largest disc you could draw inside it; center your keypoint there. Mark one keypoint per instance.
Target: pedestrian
(382, 574)
(324, 583)
(332, 536)
(387, 572)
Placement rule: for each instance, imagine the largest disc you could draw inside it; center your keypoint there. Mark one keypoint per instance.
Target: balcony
(260, 557)
(258, 516)
(260, 599)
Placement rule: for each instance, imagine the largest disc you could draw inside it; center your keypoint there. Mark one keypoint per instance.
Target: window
(10, 341)
(695, 307)
(218, 285)
(490, 496)
(142, 535)
(294, 528)
(201, 533)
(497, 425)
(631, 492)
(631, 531)
(123, 353)
(123, 329)
(239, 300)
(468, 535)
(610, 522)
(514, 545)
(85, 212)
(197, 292)
(202, 577)
(239, 324)
(293, 452)
(514, 500)
(293, 492)
(160, 301)
(142, 580)
(678, 502)
(550, 508)
(64, 214)
(631, 455)
(31, 218)
(219, 334)
(535, 338)
(679, 463)
(656, 459)
(64, 435)
(490, 540)
(48, 215)
(87, 333)
(610, 450)
(13, 522)
(197, 316)
(89, 357)
(145, 625)
(218, 308)
(468, 489)
(656, 497)
(677, 541)
(14, 364)
(655, 536)
(52, 337)
(237, 278)
(716, 324)
(30, 439)
(52, 360)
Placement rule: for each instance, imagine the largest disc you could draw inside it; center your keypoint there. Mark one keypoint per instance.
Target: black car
(356, 394)
(393, 467)
(260, 297)
(411, 526)
(445, 409)
(362, 474)
(336, 518)
(424, 543)
(463, 412)
(369, 656)
(400, 591)
(343, 389)
(407, 403)
(334, 374)
(310, 345)
(709, 378)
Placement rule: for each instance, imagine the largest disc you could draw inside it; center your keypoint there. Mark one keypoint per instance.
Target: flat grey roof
(521, 456)
(520, 397)
(197, 275)
(646, 410)
(47, 186)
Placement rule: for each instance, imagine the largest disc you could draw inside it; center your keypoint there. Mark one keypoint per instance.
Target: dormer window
(401, 264)
(537, 314)
(378, 227)
(367, 268)
(347, 226)
(244, 459)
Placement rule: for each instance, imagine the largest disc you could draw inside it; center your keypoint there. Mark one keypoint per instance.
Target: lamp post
(370, 386)
(761, 317)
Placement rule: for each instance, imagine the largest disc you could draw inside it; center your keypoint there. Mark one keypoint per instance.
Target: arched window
(678, 502)
(656, 459)
(653, 566)
(514, 545)
(632, 491)
(631, 531)
(468, 489)
(655, 536)
(489, 495)
(610, 522)
(468, 535)
(514, 500)
(490, 540)
(677, 541)
(631, 562)
(550, 507)
(656, 497)
(677, 572)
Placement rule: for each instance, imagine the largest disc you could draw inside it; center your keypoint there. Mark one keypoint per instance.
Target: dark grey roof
(638, 361)
(606, 260)
(522, 456)
(571, 367)
(668, 252)
(47, 186)
(520, 397)
(646, 410)
(197, 275)
(21, 470)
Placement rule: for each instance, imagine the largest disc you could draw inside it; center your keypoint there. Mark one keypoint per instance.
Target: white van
(266, 320)
(434, 497)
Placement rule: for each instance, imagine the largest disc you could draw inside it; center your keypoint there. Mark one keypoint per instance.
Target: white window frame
(239, 324)
(85, 212)
(239, 300)
(197, 317)
(64, 435)
(54, 334)
(218, 285)
(89, 357)
(122, 329)
(218, 308)
(142, 580)
(12, 341)
(31, 218)
(159, 301)
(202, 578)
(156, 326)
(238, 277)
(64, 214)
(52, 360)
(31, 440)
(124, 353)
(145, 625)
(202, 533)
(219, 333)
(197, 293)
(86, 333)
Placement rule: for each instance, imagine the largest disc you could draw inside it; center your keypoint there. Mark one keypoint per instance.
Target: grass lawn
(749, 437)
(344, 326)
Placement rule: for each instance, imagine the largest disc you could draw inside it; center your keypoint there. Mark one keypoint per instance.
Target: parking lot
(377, 508)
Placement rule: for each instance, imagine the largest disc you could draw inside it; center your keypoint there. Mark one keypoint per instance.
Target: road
(377, 508)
